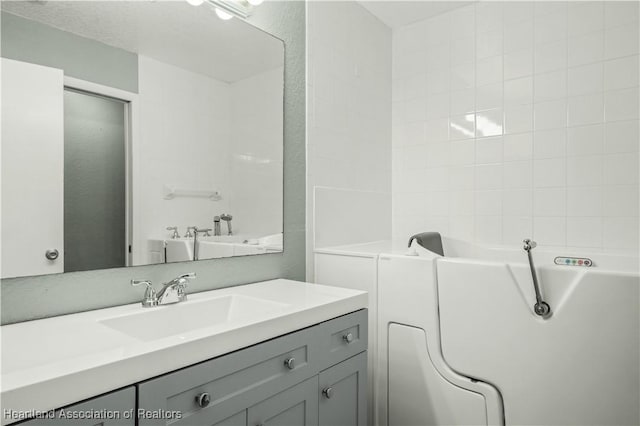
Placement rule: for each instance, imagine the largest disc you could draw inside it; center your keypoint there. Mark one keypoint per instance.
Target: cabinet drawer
(113, 409)
(342, 338)
(231, 382)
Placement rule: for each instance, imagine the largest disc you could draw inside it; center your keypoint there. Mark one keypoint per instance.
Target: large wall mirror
(127, 124)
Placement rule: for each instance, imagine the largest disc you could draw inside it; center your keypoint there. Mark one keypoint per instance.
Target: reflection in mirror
(137, 133)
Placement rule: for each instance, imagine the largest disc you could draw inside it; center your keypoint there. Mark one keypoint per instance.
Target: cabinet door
(114, 409)
(32, 168)
(343, 399)
(296, 406)
(239, 419)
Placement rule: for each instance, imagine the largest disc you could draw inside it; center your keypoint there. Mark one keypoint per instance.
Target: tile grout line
(502, 136)
(604, 127)
(566, 126)
(533, 119)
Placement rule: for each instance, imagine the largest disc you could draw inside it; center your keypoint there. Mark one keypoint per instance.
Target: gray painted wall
(79, 57)
(30, 298)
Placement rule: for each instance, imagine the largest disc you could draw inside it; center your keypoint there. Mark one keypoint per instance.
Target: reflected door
(94, 182)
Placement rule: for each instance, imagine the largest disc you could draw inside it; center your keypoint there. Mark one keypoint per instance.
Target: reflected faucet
(216, 226)
(227, 218)
(189, 234)
(175, 234)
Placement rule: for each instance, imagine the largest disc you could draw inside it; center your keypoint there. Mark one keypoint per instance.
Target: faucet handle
(150, 298)
(529, 244)
(139, 282)
(175, 234)
(188, 275)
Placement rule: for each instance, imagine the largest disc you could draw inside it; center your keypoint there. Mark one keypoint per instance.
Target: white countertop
(53, 362)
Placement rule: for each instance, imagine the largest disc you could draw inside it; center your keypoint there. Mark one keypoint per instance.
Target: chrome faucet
(196, 231)
(227, 218)
(171, 292)
(216, 226)
(174, 290)
(175, 234)
(189, 234)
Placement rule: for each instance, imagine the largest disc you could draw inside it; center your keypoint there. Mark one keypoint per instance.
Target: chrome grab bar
(541, 307)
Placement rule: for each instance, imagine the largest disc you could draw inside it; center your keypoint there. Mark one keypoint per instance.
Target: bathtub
(457, 341)
(580, 366)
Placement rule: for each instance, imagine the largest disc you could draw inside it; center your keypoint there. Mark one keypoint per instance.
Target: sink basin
(171, 320)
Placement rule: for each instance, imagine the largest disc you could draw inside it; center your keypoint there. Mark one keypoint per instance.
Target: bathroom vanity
(279, 352)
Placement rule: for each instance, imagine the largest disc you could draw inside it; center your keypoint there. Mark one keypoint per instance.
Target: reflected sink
(171, 320)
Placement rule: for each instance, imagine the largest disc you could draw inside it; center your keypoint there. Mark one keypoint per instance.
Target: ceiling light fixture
(227, 9)
(225, 16)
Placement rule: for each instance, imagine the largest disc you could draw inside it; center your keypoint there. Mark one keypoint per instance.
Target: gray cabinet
(296, 406)
(279, 382)
(238, 419)
(232, 382)
(343, 388)
(113, 409)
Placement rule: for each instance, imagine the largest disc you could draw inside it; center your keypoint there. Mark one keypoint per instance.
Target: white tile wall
(349, 119)
(166, 91)
(244, 163)
(255, 154)
(518, 119)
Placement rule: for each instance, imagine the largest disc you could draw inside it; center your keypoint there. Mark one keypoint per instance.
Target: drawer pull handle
(290, 363)
(203, 399)
(327, 392)
(348, 338)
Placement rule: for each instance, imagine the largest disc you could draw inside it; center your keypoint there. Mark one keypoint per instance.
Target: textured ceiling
(173, 32)
(396, 14)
